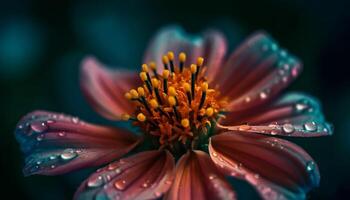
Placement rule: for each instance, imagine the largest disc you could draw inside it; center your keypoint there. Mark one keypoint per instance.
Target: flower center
(176, 106)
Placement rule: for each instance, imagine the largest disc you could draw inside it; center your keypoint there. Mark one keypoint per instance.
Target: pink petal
(55, 143)
(257, 71)
(211, 45)
(292, 115)
(198, 178)
(277, 168)
(146, 175)
(105, 88)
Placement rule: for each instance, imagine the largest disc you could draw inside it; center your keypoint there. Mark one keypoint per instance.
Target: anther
(152, 65)
(182, 59)
(188, 92)
(141, 92)
(185, 122)
(155, 84)
(145, 79)
(145, 69)
(165, 80)
(141, 117)
(204, 87)
(134, 94)
(171, 60)
(165, 62)
(172, 102)
(200, 61)
(154, 104)
(193, 79)
(209, 111)
(127, 95)
(125, 117)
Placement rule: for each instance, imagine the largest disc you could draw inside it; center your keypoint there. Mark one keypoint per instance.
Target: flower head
(205, 117)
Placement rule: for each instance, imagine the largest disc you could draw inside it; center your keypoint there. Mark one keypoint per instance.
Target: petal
(146, 175)
(55, 143)
(211, 45)
(105, 88)
(293, 114)
(198, 178)
(277, 168)
(256, 72)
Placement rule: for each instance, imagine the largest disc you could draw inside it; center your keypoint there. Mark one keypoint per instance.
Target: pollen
(175, 104)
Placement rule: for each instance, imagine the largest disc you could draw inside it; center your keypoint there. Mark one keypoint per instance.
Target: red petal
(256, 72)
(198, 178)
(146, 175)
(292, 115)
(55, 143)
(277, 168)
(211, 45)
(105, 88)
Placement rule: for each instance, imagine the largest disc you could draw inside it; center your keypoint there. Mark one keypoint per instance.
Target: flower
(188, 100)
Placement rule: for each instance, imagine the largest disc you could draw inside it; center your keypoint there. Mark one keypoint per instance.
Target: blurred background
(43, 42)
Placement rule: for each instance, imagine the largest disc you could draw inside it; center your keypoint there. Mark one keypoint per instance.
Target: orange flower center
(177, 105)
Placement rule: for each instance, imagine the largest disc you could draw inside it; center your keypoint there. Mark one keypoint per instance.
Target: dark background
(42, 43)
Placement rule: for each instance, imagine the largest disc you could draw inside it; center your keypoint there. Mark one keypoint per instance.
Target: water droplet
(215, 154)
(263, 95)
(52, 157)
(53, 166)
(300, 107)
(118, 170)
(120, 184)
(50, 121)
(145, 185)
(157, 194)
(95, 182)
(274, 47)
(39, 126)
(40, 137)
(68, 154)
(244, 127)
(75, 120)
(38, 162)
(20, 126)
(211, 177)
(310, 126)
(247, 99)
(310, 166)
(295, 72)
(288, 128)
(62, 134)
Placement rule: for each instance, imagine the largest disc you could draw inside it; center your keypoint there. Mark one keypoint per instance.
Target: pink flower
(188, 100)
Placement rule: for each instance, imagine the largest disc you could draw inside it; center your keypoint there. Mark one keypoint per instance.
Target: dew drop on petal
(244, 127)
(53, 157)
(39, 126)
(263, 95)
(310, 166)
(157, 194)
(288, 128)
(68, 154)
(120, 184)
(310, 126)
(62, 134)
(95, 182)
(75, 120)
(215, 154)
(40, 137)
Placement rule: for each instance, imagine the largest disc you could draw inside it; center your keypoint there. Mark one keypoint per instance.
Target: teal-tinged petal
(54, 143)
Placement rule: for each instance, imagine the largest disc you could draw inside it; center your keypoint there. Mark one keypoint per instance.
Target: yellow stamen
(144, 68)
(170, 55)
(172, 91)
(125, 117)
(209, 112)
(152, 65)
(200, 61)
(134, 94)
(185, 122)
(172, 100)
(127, 95)
(182, 57)
(166, 74)
(204, 86)
(155, 82)
(154, 104)
(143, 76)
(187, 87)
(141, 91)
(141, 117)
(193, 68)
